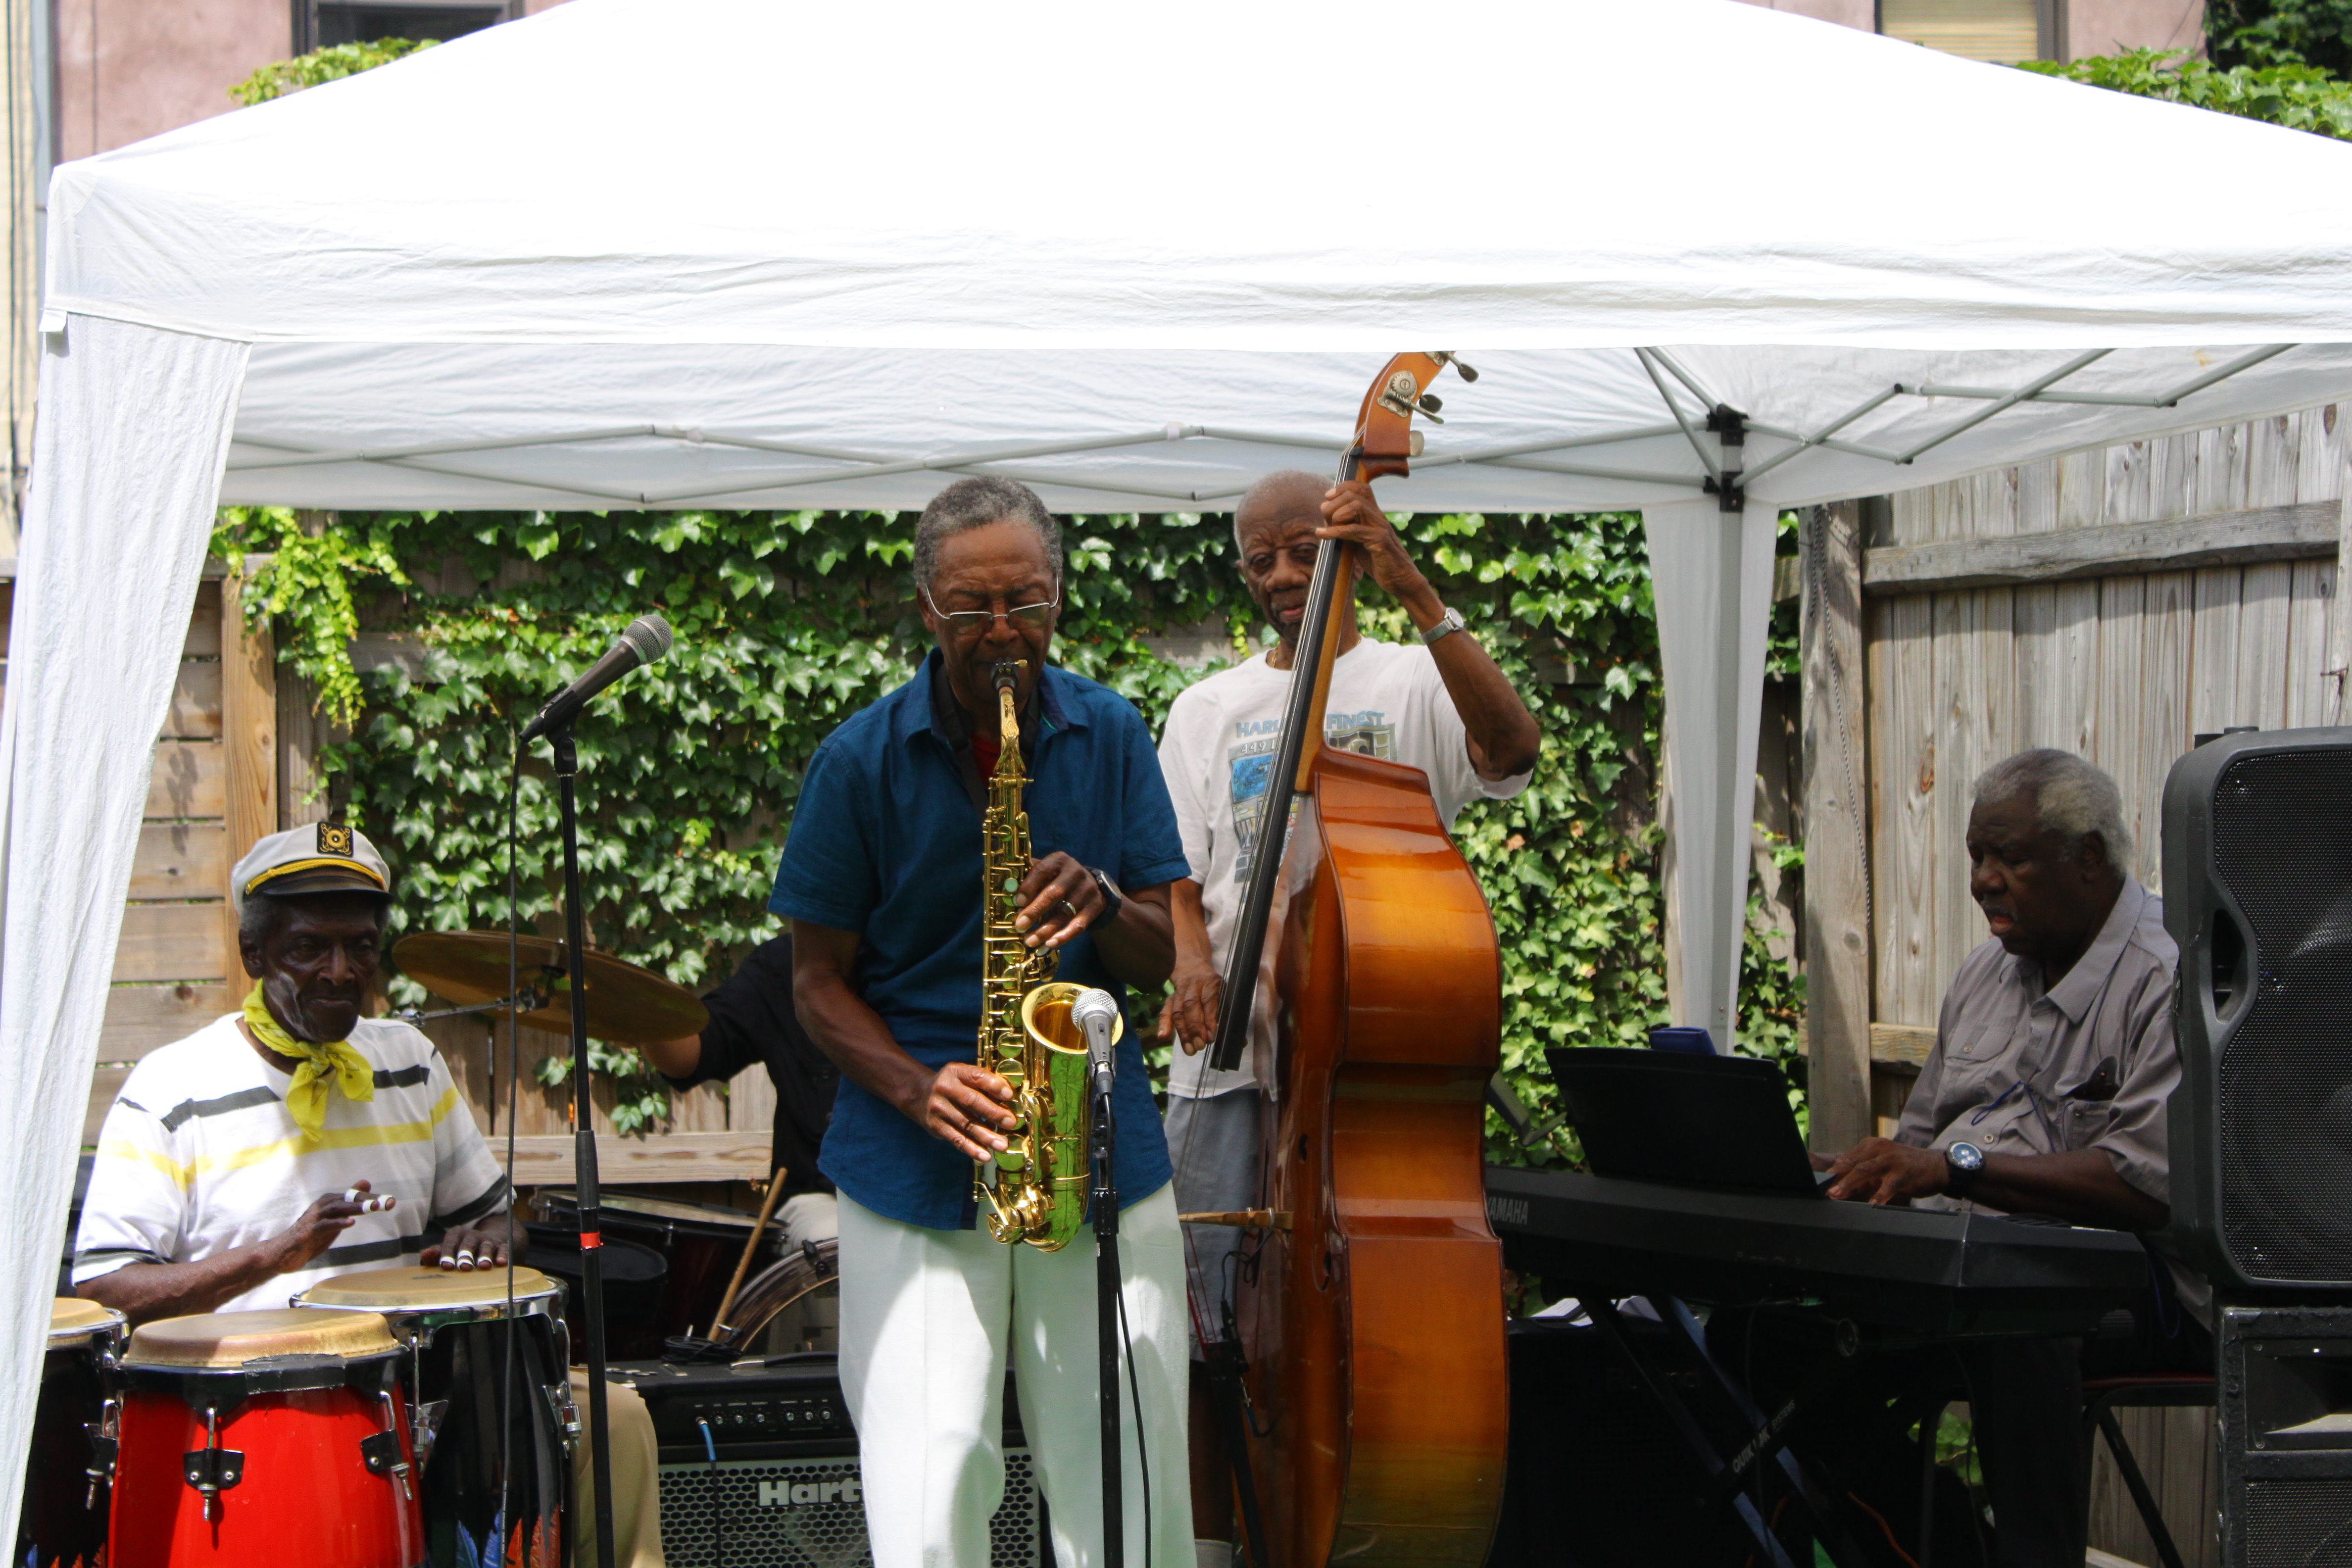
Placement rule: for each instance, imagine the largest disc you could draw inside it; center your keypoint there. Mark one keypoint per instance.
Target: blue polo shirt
(886, 843)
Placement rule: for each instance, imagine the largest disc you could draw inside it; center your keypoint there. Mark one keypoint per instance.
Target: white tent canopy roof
(753, 252)
(742, 253)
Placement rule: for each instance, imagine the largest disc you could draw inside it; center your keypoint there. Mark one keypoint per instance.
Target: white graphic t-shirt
(1387, 700)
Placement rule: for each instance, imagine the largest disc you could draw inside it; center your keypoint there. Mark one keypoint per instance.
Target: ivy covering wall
(788, 622)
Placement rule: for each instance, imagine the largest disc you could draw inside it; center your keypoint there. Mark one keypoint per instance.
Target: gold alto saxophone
(1035, 1190)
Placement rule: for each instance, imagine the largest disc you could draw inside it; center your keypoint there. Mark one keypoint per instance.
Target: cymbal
(626, 1006)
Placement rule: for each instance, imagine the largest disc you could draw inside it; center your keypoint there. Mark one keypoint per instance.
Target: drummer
(293, 1139)
(298, 1106)
(752, 1022)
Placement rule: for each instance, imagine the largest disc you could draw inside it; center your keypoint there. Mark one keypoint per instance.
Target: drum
(700, 1243)
(453, 1326)
(264, 1437)
(781, 1295)
(632, 1277)
(62, 1521)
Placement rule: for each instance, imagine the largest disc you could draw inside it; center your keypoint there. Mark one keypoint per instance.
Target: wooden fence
(2113, 603)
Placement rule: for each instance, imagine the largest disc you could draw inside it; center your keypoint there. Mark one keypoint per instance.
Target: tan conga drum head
(417, 1300)
(233, 1341)
(75, 1322)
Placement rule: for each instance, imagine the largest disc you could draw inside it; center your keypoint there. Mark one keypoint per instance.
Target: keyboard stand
(1728, 1474)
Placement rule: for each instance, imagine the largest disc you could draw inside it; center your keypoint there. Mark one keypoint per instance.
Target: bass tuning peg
(1447, 356)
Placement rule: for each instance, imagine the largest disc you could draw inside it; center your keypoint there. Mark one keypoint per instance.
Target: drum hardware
(212, 1470)
(566, 1412)
(104, 1443)
(529, 999)
(425, 1422)
(382, 1452)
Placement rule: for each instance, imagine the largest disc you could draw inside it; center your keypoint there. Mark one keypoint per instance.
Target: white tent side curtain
(132, 435)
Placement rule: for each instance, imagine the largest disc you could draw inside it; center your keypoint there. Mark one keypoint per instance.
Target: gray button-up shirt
(2087, 1064)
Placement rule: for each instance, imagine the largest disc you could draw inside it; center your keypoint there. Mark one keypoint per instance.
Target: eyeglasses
(977, 622)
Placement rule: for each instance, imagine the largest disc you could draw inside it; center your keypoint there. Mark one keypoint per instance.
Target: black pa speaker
(2258, 894)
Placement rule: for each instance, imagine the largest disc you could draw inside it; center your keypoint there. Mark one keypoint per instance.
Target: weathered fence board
(140, 1017)
(179, 860)
(189, 778)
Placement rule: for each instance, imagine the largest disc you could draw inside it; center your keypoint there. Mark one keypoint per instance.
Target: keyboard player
(2047, 1095)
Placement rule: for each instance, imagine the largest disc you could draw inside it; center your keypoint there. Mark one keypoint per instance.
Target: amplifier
(2285, 1436)
(784, 1490)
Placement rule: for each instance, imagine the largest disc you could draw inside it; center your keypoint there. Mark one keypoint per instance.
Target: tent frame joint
(1729, 427)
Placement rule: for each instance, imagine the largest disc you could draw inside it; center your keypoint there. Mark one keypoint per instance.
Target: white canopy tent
(748, 254)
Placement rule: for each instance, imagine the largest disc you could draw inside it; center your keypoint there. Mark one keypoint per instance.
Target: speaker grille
(2282, 849)
(2299, 1524)
(791, 1514)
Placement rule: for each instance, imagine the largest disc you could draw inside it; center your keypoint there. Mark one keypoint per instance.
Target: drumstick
(751, 1250)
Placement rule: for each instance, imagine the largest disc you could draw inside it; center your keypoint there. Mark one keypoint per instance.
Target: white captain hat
(316, 857)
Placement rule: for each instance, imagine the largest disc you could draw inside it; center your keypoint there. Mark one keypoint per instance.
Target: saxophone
(1035, 1190)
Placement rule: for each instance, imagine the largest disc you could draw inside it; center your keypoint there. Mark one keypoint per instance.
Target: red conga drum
(62, 1523)
(455, 1327)
(266, 1438)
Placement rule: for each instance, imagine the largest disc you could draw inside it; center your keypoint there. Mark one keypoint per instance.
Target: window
(320, 23)
(2004, 31)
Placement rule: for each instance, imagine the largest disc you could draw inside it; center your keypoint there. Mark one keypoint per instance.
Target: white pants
(925, 1317)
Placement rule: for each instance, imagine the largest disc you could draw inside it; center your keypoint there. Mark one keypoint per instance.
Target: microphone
(1096, 1013)
(643, 641)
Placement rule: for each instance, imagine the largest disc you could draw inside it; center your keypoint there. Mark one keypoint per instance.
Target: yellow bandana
(322, 1065)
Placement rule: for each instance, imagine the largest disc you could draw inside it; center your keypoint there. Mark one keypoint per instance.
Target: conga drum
(62, 1521)
(265, 1438)
(700, 1242)
(456, 1330)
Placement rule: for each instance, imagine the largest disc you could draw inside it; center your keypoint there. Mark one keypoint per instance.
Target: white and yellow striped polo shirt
(199, 1155)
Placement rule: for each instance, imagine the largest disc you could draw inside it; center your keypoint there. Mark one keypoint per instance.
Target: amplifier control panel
(760, 1417)
(788, 1401)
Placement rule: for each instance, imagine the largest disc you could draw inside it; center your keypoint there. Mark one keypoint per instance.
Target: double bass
(1372, 1319)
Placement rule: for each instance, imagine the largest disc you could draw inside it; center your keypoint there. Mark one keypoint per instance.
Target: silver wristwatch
(1961, 1164)
(1447, 624)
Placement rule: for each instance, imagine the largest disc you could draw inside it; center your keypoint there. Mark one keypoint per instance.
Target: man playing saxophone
(881, 879)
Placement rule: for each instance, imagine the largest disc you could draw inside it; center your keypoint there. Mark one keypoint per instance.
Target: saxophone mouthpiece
(1006, 675)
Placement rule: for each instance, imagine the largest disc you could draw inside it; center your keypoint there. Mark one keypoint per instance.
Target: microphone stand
(591, 1240)
(1104, 1199)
